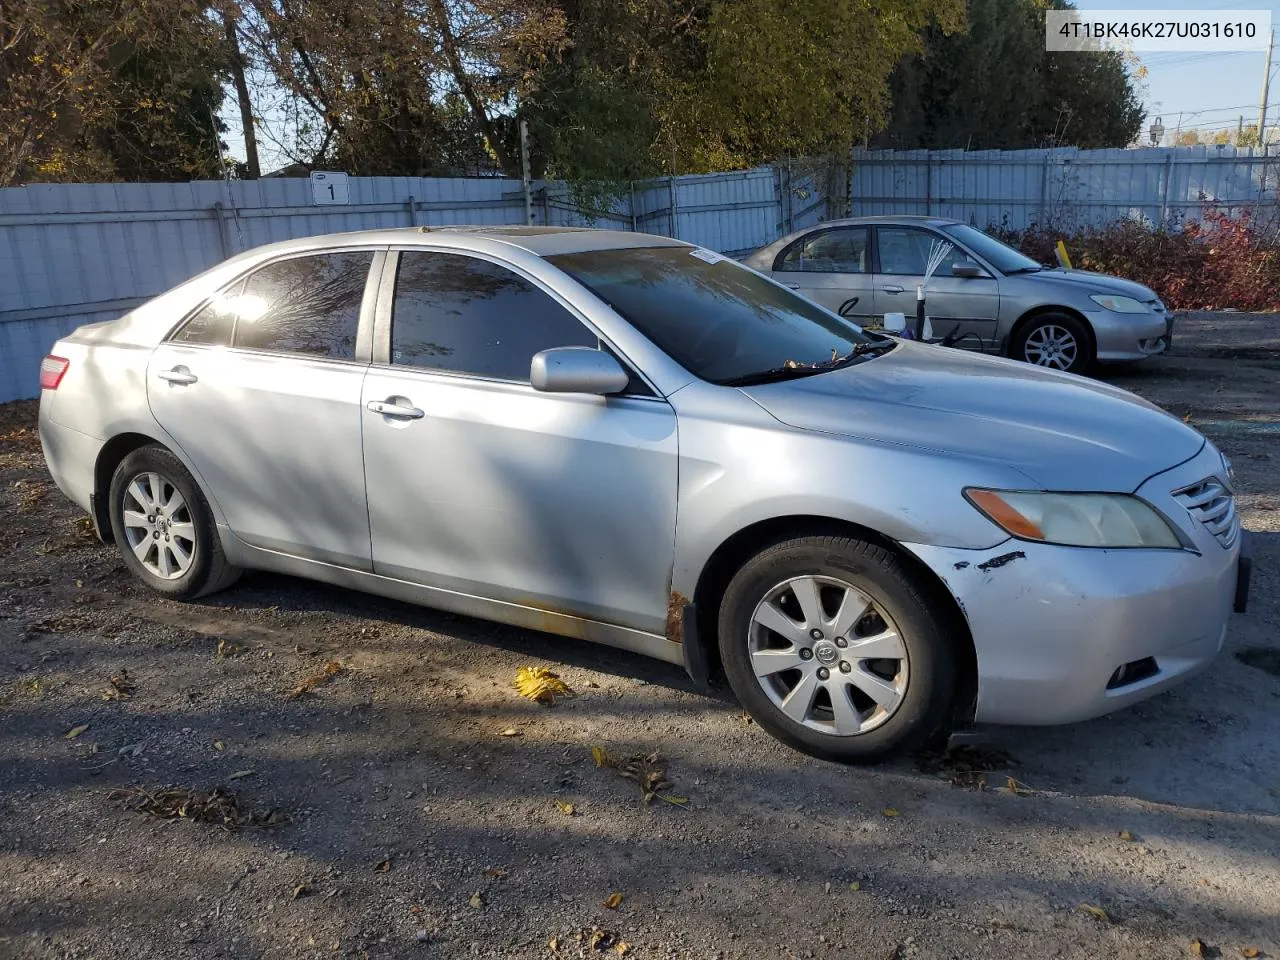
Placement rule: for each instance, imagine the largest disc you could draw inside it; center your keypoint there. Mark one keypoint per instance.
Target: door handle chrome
(792, 286)
(893, 289)
(178, 375)
(395, 410)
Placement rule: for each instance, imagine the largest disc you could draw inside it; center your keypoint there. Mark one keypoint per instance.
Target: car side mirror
(577, 370)
(968, 269)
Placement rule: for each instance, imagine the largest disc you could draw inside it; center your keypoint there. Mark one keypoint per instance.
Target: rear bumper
(71, 457)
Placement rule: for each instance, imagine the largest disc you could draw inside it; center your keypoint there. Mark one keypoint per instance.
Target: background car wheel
(1055, 340)
(835, 648)
(163, 526)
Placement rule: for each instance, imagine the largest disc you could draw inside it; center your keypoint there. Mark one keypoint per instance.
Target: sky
(1210, 90)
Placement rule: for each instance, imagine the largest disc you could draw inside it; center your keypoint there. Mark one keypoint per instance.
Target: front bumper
(1065, 633)
(1129, 336)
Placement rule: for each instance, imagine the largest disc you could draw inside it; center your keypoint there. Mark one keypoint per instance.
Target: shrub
(1221, 261)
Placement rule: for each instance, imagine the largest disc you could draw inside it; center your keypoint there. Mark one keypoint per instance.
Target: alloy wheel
(1051, 346)
(158, 526)
(828, 656)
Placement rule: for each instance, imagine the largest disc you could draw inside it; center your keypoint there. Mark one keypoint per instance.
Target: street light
(1156, 132)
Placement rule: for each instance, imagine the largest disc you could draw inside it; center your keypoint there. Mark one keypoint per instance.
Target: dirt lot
(427, 804)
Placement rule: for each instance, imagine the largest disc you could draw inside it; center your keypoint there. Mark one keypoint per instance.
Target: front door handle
(893, 288)
(395, 410)
(792, 286)
(178, 375)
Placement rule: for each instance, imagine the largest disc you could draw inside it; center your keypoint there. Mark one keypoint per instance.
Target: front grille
(1211, 503)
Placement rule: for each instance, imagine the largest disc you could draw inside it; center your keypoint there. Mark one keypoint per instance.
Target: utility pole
(1239, 130)
(1177, 131)
(1266, 86)
(524, 173)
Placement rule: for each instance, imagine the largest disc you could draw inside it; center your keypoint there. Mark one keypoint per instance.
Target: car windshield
(719, 320)
(1001, 256)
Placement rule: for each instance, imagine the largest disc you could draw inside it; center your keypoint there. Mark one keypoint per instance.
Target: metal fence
(1063, 188)
(74, 254)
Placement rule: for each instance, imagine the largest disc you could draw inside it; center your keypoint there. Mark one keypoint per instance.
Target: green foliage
(995, 87)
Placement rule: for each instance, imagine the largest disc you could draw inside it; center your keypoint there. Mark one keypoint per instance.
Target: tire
(155, 501)
(1057, 341)
(913, 691)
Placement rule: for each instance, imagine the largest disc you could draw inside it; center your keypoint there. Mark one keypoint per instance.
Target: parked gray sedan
(630, 440)
(984, 294)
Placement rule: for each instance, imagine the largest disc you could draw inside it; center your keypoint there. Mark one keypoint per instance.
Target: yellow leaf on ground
(219, 745)
(1126, 836)
(1250, 952)
(76, 731)
(566, 808)
(613, 901)
(477, 901)
(1197, 948)
(890, 812)
(324, 675)
(510, 732)
(601, 756)
(622, 948)
(855, 886)
(540, 685)
(240, 775)
(1097, 912)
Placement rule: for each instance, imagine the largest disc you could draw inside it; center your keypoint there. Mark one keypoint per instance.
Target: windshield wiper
(793, 369)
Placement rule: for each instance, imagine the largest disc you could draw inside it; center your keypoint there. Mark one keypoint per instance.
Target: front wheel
(1055, 340)
(834, 646)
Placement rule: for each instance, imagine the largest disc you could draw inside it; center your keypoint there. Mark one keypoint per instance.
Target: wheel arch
(1021, 323)
(730, 555)
(109, 457)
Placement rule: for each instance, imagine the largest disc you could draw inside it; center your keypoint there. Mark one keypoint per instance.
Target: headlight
(1119, 304)
(1076, 519)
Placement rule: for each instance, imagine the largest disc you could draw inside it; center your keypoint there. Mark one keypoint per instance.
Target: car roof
(540, 241)
(906, 218)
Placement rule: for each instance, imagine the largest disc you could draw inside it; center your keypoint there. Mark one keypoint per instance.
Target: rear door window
(308, 305)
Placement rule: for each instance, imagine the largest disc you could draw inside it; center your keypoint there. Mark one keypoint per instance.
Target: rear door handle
(792, 286)
(893, 288)
(395, 410)
(178, 375)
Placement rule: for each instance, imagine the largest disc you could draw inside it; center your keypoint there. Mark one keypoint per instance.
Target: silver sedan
(634, 441)
(983, 295)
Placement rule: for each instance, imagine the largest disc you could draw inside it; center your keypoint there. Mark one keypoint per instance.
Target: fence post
(632, 208)
(1164, 188)
(1044, 192)
(928, 186)
(674, 208)
(413, 211)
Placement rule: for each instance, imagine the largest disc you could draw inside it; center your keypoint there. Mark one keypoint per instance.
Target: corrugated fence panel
(77, 253)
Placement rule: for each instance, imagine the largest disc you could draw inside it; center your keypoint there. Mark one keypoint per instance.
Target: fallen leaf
(622, 948)
(510, 732)
(76, 731)
(477, 901)
(216, 806)
(855, 886)
(301, 890)
(240, 775)
(1097, 912)
(890, 812)
(1126, 836)
(601, 756)
(1197, 948)
(613, 901)
(1250, 952)
(495, 872)
(566, 808)
(121, 687)
(1012, 785)
(540, 685)
(323, 675)
(553, 944)
(383, 865)
(229, 649)
(219, 745)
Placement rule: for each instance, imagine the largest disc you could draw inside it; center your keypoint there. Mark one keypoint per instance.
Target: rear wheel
(1058, 341)
(834, 647)
(164, 528)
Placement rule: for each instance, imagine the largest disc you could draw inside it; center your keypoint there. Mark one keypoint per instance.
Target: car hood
(1095, 282)
(1062, 431)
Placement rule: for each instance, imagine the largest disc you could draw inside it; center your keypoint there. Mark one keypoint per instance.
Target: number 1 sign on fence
(329, 187)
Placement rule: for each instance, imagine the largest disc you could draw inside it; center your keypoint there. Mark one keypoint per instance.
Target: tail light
(52, 370)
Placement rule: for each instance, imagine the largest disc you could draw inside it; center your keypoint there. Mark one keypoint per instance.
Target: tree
(108, 89)
(994, 86)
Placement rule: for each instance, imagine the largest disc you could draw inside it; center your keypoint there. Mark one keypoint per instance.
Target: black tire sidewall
(161, 461)
(886, 580)
(1084, 354)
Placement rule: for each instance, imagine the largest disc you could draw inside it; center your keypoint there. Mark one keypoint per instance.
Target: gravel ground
(430, 812)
